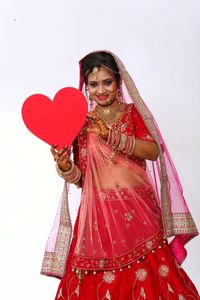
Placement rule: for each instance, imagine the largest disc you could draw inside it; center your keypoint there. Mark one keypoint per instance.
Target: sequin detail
(108, 277)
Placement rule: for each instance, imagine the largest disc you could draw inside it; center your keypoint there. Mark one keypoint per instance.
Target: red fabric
(155, 276)
(176, 216)
(130, 124)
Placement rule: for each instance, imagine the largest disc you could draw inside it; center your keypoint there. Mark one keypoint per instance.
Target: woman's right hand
(97, 125)
(61, 157)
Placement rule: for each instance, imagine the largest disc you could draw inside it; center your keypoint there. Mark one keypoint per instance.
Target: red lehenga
(153, 276)
(148, 272)
(119, 248)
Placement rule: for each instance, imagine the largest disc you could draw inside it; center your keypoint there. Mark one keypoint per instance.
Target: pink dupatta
(119, 219)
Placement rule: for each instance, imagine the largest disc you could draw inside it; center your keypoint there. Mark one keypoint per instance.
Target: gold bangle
(122, 143)
(65, 173)
(133, 147)
(76, 178)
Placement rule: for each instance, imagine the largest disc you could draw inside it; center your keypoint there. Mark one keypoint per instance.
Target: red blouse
(130, 123)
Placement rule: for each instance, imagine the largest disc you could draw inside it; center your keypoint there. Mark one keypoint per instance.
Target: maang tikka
(95, 73)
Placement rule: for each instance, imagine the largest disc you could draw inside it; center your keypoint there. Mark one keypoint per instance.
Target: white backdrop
(41, 42)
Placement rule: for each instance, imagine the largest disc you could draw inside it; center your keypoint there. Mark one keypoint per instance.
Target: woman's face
(102, 87)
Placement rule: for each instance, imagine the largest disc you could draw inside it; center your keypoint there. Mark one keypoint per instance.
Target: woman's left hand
(97, 125)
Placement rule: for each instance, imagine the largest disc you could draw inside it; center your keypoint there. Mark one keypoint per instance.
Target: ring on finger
(56, 157)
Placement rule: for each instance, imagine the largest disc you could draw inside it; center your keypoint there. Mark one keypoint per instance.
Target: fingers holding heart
(62, 157)
(61, 154)
(54, 152)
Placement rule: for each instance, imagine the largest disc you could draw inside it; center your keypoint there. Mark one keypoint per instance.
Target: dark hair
(99, 59)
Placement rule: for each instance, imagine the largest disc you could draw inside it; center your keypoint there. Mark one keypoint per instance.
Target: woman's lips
(102, 97)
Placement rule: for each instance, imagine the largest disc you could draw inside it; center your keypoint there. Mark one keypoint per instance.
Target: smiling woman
(102, 86)
(119, 248)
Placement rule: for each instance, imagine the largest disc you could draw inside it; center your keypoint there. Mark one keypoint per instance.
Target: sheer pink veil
(117, 203)
(176, 217)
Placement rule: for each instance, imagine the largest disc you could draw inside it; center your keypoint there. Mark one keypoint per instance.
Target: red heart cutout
(58, 121)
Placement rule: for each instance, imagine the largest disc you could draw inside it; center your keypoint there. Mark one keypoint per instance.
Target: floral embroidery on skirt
(154, 276)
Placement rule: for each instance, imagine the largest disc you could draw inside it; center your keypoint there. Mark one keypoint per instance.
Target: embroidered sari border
(87, 263)
(54, 262)
(183, 223)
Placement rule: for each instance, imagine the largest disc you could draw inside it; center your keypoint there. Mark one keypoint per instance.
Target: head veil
(176, 217)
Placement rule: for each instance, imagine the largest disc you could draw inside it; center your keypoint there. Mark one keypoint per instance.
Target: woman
(119, 248)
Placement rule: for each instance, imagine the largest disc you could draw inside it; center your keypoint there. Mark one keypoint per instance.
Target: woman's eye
(108, 82)
(93, 84)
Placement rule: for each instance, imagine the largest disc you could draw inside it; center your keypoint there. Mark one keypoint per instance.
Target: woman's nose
(100, 89)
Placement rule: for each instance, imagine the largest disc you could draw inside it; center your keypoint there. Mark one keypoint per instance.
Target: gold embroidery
(142, 293)
(95, 226)
(148, 120)
(107, 296)
(128, 216)
(79, 274)
(109, 277)
(101, 263)
(180, 297)
(170, 288)
(149, 244)
(141, 274)
(163, 270)
(83, 152)
(117, 262)
(54, 263)
(183, 223)
(60, 295)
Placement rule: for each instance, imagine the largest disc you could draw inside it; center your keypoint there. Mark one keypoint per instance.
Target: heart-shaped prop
(58, 121)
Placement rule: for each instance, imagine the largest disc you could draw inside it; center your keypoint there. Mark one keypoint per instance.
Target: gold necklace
(110, 115)
(106, 111)
(115, 113)
(110, 110)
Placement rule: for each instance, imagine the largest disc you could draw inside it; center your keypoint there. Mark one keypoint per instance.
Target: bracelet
(117, 140)
(131, 152)
(113, 138)
(128, 145)
(122, 142)
(67, 172)
(76, 179)
(73, 175)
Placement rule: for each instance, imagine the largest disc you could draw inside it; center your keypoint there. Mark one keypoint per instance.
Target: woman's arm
(146, 150)
(65, 167)
(72, 175)
(145, 145)
(140, 148)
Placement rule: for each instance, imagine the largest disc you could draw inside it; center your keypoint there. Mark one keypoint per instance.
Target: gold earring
(91, 103)
(118, 95)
